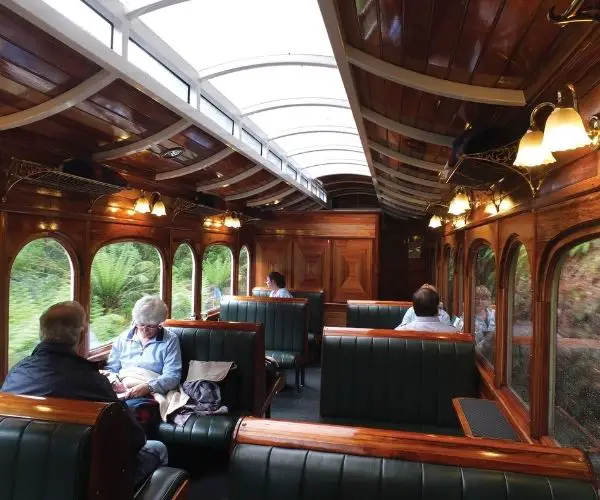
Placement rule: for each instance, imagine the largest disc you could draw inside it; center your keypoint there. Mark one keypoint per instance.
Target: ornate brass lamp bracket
(576, 13)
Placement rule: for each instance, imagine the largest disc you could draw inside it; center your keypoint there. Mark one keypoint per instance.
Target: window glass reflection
(484, 302)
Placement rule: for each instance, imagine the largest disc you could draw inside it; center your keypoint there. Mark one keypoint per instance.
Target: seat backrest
(55, 448)
(316, 305)
(242, 343)
(281, 460)
(396, 376)
(376, 313)
(285, 320)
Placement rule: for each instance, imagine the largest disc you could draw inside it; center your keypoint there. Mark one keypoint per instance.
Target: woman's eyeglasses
(148, 328)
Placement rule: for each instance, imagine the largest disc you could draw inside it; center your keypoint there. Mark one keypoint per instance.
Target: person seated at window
(276, 282)
(149, 347)
(55, 369)
(425, 304)
(485, 316)
(410, 315)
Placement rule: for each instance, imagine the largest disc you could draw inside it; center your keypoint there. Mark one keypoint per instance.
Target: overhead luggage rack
(54, 178)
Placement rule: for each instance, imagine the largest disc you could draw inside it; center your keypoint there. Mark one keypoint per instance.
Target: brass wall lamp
(575, 13)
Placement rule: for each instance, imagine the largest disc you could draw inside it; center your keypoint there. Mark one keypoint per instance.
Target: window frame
(231, 274)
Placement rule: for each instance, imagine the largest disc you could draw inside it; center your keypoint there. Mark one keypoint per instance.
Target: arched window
(575, 373)
(182, 283)
(244, 272)
(41, 275)
(484, 302)
(217, 265)
(519, 322)
(122, 273)
(449, 298)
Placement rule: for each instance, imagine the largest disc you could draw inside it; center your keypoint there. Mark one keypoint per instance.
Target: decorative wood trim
(335, 331)
(214, 325)
(278, 386)
(246, 298)
(448, 450)
(432, 85)
(182, 492)
(100, 353)
(462, 418)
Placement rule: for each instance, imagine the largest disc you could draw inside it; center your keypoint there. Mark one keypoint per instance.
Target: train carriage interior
(276, 181)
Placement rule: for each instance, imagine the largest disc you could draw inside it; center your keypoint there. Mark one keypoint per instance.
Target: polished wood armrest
(277, 385)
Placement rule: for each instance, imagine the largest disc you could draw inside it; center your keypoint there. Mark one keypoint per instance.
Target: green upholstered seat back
(244, 347)
(259, 472)
(316, 305)
(396, 380)
(375, 315)
(284, 320)
(40, 460)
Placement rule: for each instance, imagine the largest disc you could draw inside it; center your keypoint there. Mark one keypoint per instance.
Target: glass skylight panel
(320, 157)
(216, 115)
(298, 142)
(324, 170)
(274, 159)
(85, 17)
(146, 62)
(270, 121)
(250, 140)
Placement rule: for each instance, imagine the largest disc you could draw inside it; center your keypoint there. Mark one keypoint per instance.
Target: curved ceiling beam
(316, 149)
(60, 103)
(160, 4)
(293, 103)
(415, 162)
(397, 211)
(401, 197)
(291, 203)
(409, 178)
(195, 167)
(267, 62)
(228, 182)
(254, 192)
(336, 162)
(403, 206)
(305, 205)
(432, 85)
(320, 129)
(271, 199)
(408, 190)
(350, 182)
(138, 146)
(335, 193)
(405, 130)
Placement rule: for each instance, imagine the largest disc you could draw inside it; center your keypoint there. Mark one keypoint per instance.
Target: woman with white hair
(148, 346)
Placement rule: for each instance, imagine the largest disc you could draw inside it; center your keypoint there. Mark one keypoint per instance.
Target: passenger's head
(426, 301)
(63, 323)
(275, 280)
(430, 287)
(483, 297)
(148, 313)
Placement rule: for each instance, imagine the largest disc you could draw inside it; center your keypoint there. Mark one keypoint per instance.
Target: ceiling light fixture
(532, 152)
(172, 152)
(150, 204)
(575, 13)
(459, 204)
(435, 222)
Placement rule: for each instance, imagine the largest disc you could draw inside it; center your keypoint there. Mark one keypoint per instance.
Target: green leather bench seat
(316, 308)
(259, 472)
(375, 314)
(245, 386)
(285, 323)
(396, 378)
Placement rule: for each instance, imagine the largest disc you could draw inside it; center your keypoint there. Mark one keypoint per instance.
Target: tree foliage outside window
(520, 300)
(217, 265)
(244, 272)
(577, 350)
(41, 276)
(182, 284)
(122, 273)
(484, 310)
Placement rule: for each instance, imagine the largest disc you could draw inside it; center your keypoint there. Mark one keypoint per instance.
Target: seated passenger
(425, 304)
(410, 316)
(276, 282)
(485, 316)
(146, 351)
(54, 369)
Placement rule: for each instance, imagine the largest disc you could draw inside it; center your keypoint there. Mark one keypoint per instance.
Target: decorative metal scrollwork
(576, 13)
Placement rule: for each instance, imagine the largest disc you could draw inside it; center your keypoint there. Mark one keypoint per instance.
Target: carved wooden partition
(336, 252)
(445, 450)
(111, 472)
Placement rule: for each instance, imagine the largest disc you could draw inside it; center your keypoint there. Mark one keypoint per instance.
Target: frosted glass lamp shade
(532, 151)
(565, 131)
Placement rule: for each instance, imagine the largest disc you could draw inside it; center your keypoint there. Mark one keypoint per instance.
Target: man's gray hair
(149, 310)
(63, 323)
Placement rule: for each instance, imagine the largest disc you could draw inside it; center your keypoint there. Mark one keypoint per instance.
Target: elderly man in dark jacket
(54, 369)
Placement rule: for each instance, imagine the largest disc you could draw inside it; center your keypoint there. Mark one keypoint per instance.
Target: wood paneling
(458, 451)
(312, 264)
(272, 254)
(335, 314)
(352, 270)
(397, 334)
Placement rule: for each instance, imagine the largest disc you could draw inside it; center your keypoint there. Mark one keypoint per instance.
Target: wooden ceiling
(419, 71)
(116, 125)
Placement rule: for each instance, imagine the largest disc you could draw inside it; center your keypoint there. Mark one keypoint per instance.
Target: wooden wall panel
(352, 270)
(272, 254)
(312, 264)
